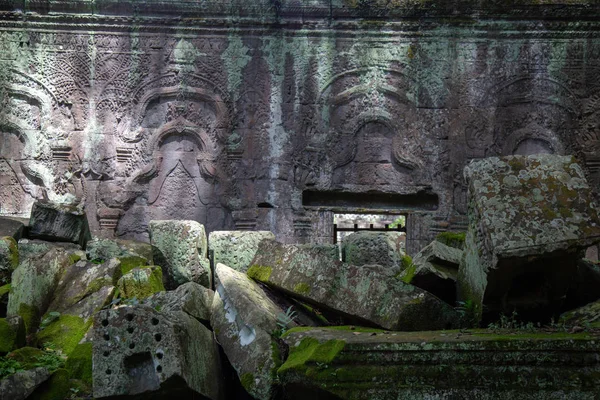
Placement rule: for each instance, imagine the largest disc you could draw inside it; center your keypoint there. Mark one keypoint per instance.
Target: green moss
(131, 262)
(141, 283)
(452, 239)
(302, 288)
(349, 328)
(65, 332)
(247, 381)
(8, 336)
(96, 285)
(5, 289)
(13, 250)
(31, 317)
(310, 350)
(408, 269)
(260, 273)
(79, 363)
(74, 257)
(26, 356)
(55, 388)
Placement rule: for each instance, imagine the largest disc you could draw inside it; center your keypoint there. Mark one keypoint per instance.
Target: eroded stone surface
(140, 283)
(180, 249)
(528, 219)
(236, 248)
(11, 227)
(140, 350)
(9, 258)
(21, 384)
(381, 248)
(369, 292)
(244, 320)
(105, 249)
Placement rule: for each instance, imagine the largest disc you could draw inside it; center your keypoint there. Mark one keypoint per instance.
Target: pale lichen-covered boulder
(529, 217)
(381, 248)
(140, 351)
(587, 316)
(180, 247)
(36, 278)
(9, 258)
(435, 269)
(57, 222)
(191, 298)
(244, 320)
(141, 283)
(236, 248)
(369, 293)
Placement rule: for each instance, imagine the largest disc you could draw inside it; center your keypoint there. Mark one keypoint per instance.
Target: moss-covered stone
(27, 356)
(8, 336)
(236, 249)
(65, 332)
(310, 350)
(79, 363)
(381, 248)
(259, 273)
(141, 283)
(58, 387)
(452, 239)
(131, 262)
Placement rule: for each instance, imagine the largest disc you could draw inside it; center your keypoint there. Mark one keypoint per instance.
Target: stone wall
(272, 115)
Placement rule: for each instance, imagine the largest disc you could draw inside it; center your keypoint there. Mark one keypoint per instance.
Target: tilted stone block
(140, 350)
(191, 298)
(180, 248)
(245, 320)
(9, 258)
(11, 227)
(59, 223)
(529, 217)
(236, 249)
(381, 248)
(369, 293)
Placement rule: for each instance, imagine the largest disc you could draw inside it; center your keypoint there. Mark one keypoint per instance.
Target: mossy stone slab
(359, 365)
(381, 248)
(9, 258)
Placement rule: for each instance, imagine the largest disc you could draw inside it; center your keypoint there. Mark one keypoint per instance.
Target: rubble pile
(496, 312)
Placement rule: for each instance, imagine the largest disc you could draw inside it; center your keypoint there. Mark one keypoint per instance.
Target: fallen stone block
(180, 248)
(435, 269)
(369, 293)
(236, 249)
(12, 334)
(85, 288)
(381, 248)
(587, 316)
(191, 298)
(21, 384)
(245, 322)
(36, 278)
(359, 364)
(105, 249)
(59, 223)
(138, 350)
(141, 283)
(529, 218)
(9, 258)
(11, 227)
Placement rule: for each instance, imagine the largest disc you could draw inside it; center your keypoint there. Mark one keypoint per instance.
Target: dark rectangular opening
(426, 201)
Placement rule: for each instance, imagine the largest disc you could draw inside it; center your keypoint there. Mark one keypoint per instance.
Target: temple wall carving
(263, 125)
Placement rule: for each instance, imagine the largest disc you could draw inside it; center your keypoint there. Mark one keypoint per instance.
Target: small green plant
(468, 313)
(50, 359)
(284, 320)
(400, 221)
(8, 366)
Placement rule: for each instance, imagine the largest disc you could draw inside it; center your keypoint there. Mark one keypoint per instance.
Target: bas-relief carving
(145, 116)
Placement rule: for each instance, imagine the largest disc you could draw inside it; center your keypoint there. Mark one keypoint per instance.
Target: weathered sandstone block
(370, 292)
(381, 248)
(180, 249)
(529, 217)
(236, 248)
(59, 223)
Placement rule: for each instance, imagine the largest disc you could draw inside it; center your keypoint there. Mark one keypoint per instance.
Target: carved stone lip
(367, 201)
